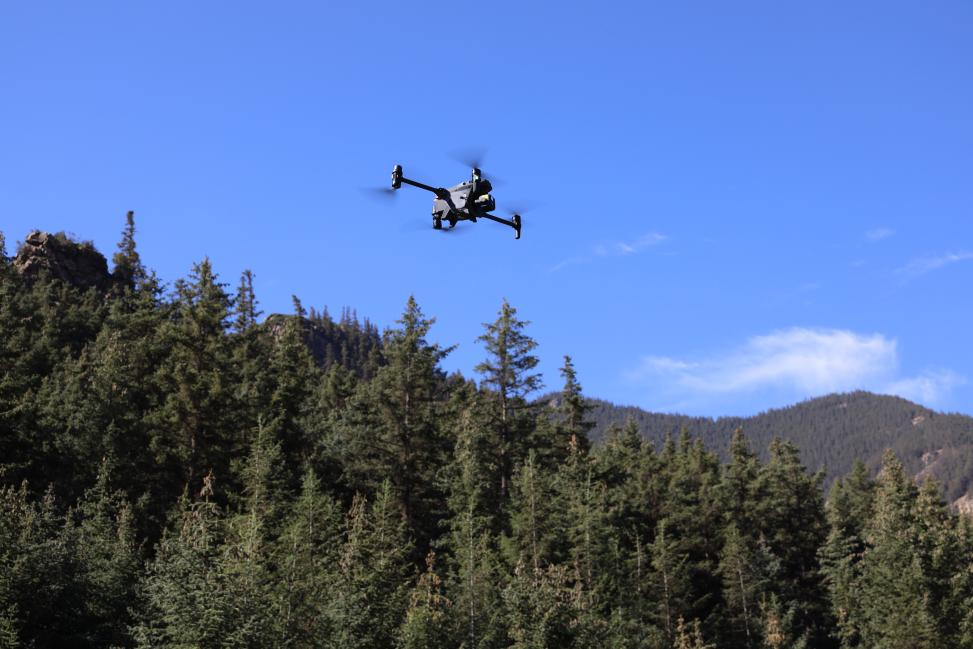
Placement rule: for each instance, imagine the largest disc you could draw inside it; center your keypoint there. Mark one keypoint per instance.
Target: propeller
(521, 207)
(379, 193)
(473, 157)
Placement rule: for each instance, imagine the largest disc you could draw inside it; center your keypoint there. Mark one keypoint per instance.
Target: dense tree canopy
(175, 472)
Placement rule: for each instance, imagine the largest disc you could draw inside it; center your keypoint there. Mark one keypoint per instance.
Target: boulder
(59, 256)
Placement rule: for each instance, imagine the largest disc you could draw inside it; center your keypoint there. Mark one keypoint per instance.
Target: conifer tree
(693, 522)
(371, 589)
(263, 494)
(792, 521)
(39, 572)
(199, 421)
(109, 562)
(195, 594)
(573, 410)
(306, 555)
(474, 576)
(894, 597)
(849, 509)
(245, 304)
(292, 377)
(393, 430)
(97, 403)
(426, 620)
(738, 485)
(536, 519)
(747, 572)
(540, 608)
(941, 559)
(45, 324)
(592, 545)
(669, 580)
(252, 352)
(690, 639)
(508, 374)
(128, 265)
(841, 567)
(634, 480)
(962, 588)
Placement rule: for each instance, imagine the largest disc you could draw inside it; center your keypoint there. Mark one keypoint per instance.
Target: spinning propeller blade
(379, 193)
(473, 157)
(519, 207)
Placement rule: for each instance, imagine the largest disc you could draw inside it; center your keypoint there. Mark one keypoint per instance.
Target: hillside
(831, 432)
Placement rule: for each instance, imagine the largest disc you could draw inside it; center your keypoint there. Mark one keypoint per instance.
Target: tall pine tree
(508, 373)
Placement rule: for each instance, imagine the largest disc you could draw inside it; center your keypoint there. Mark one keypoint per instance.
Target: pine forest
(177, 470)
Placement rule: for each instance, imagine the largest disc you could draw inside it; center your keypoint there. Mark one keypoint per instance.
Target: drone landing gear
(437, 223)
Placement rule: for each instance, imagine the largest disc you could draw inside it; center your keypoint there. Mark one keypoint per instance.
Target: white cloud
(616, 249)
(923, 265)
(793, 364)
(931, 387)
(643, 242)
(805, 359)
(877, 234)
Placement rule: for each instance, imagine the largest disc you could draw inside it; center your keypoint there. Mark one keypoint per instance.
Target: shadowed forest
(176, 471)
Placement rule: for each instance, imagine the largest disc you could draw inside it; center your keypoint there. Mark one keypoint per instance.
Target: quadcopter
(467, 201)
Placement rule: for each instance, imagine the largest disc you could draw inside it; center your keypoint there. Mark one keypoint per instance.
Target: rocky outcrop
(348, 343)
(964, 505)
(59, 256)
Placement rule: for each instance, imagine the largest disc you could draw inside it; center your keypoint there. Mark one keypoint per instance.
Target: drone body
(467, 201)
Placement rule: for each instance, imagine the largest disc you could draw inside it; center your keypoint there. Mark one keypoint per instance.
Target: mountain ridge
(831, 431)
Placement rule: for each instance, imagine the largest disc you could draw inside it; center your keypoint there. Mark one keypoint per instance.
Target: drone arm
(495, 218)
(438, 191)
(515, 223)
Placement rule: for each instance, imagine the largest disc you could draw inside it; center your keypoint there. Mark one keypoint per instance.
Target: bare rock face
(964, 505)
(56, 254)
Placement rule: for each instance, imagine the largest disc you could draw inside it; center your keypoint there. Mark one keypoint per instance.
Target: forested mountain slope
(832, 432)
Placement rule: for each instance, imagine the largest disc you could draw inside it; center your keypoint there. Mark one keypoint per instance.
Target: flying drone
(468, 201)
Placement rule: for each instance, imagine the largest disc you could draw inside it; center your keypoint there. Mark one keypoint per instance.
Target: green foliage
(536, 519)
(306, 555)
(371, 585)
(541, 608)
(129, 271)
(196, 593)
(508, 377)
(191, 427)
(174, 472)
(573, 411)
(392, 431)
(426, 619)
(81, 565)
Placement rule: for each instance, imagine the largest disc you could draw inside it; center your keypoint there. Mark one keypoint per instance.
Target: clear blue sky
(743, 204)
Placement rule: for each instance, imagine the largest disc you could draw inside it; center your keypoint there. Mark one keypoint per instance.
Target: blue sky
(741, 205)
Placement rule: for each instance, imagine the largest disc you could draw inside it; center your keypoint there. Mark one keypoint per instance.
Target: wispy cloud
(614, 249)
(622, 248)
(932, 386)
(793, 363)
(570, 261)
(877, 234)
(923, 265)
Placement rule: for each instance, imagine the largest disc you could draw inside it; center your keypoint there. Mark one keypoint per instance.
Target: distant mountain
(831, 432)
